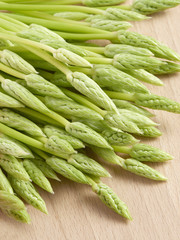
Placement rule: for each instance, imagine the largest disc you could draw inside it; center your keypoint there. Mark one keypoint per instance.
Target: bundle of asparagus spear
(61, 96)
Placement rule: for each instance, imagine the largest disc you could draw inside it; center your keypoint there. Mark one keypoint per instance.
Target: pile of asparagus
(61, 96)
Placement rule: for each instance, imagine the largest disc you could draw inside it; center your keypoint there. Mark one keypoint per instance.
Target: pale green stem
(42, 139)
(84, 101)
(1, 79)
(44, 55)
(26, 42)
(87, 71)
(96, 60)
(124, 7)
(23, 138)
(58, 118)
(18, 49)
(55, 25)
(40, 153)
(47, 75)
(121, 96)
(84, 37)
(64, 2)
(122, 149)
(37, 115)
(29, 56)
(90, 181)
(11, 71)
(61, 8)
(53, 18)
(9, 26)
(52, 114)
(12, 20)
(19, 136)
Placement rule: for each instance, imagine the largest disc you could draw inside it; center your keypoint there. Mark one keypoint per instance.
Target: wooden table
(75, 212)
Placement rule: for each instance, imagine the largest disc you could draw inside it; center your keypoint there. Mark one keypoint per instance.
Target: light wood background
(76, 213)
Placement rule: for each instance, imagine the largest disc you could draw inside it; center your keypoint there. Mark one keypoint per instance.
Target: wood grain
(76, 213)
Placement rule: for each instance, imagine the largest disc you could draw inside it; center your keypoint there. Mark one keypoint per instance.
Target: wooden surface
(74, 210)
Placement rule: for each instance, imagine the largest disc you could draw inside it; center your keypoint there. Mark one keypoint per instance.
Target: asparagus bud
(112, 49)
(86, 134)
(157, 102)
(7, 101)
(10, 202)
(41, 86)
(58, 145)
(61, 133)
(71, 108)
(110, 25)
(4, 183)
(72, 15)
(13, 60)
(37, 176)
(118, 137)
(67, 170)
(87, 165)
(122, 104)
(28, 192)
(130, 61)
(70, 58)
(143, 170)
(45, 168)
(151, 132)
(145, 76)
(109, 76)
(23, 95)
(167, 68)
(18, 215)
(140, 40)
(99, 3)
(144, 152)
(91, 89)
(12, 166)
(121, 122)
(147, 7)
(139, 119)
(110, 199)
(125, 15)
(37, 32)
(13, 147)
(14, 120)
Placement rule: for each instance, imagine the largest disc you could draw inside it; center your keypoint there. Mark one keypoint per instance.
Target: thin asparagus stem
(83, 101)
(39, 116)
(65, 2)
(84, 37)
(122, 149)
(122, 96)
(124, 7)
(11, 71)
(58, 118)
(25, 139)
(99, 60)
(12, 27)
(62, 2)
(47, 16)
(12, 20)
(40, 153)
(57, 25)
(19, 136)
(62, 67)
(26, 42)
(55, 8)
